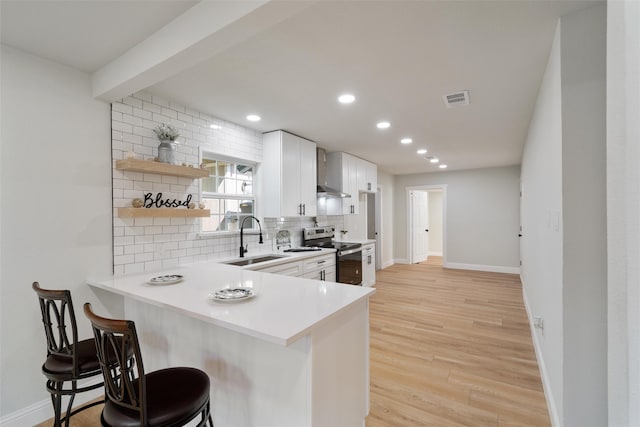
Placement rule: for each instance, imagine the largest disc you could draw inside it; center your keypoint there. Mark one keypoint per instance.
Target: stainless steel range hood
(323, 189)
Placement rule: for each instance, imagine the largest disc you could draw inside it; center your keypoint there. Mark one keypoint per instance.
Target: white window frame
(212, 155)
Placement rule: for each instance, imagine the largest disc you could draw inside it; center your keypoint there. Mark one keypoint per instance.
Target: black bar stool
(167, 397)
(68, 360)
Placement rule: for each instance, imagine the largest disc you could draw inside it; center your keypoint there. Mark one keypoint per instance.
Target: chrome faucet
(243, 249)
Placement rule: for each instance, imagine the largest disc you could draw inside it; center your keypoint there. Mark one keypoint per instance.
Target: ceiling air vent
(457, 99)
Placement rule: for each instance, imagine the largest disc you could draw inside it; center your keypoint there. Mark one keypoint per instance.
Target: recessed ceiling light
(214, 126)
(383, 125)
(442, 166)
(434, 160)
(422, 151)
(406, 140)
(253, 118)
(346, 98)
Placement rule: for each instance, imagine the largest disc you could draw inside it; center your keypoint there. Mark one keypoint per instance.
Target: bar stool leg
(56, 399)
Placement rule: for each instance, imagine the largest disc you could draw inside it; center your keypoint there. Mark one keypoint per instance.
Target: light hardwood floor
(451, 348)
(448, 348)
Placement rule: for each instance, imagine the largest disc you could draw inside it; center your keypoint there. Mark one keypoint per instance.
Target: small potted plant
(167, 135)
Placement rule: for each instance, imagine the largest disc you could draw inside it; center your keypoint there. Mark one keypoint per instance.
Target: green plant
(166, 132)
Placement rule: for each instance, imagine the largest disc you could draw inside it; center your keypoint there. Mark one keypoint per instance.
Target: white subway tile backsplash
(132, 120)
(122, 108)
(143, 257)
(134, 102)
(149, 244)
(133, 249)
(123, 259)
(153, 230)
(133, 268)
(141, 240)
(122, 127)
(152, 265)
(139, 112)
(151, 107)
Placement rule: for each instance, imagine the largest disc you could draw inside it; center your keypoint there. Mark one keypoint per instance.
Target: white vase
(167, 151)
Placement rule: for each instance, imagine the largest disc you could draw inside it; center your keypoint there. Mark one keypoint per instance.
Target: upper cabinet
(367, 176)
(288, 176)
(342, 174)
(352, 175)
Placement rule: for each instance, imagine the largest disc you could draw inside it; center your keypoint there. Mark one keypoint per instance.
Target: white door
(420, 225)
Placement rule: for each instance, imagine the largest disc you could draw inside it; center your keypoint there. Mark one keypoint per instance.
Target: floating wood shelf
(150, 166)
(162, 213)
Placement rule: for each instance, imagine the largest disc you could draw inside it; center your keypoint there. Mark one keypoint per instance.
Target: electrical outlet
(538, 322)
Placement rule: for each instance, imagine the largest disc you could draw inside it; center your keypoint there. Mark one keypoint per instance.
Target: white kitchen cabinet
(321, 268)
(367, 176)
(342, 173)
(368, 264)
(288, 176)
(287, 269)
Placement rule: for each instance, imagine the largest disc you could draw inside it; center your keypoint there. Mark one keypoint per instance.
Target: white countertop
(285, 308)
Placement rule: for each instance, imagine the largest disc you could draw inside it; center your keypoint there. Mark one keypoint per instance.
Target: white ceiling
(397, 57)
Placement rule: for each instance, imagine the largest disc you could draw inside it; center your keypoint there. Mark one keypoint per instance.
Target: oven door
(350, 267)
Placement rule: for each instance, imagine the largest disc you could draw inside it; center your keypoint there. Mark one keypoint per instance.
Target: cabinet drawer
(327, 274)
(288, 269)
(319, 262)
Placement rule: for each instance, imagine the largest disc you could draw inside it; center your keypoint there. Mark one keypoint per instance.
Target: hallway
(451, 348)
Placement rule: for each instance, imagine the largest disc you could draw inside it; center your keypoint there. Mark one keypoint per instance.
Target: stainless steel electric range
(348, 255)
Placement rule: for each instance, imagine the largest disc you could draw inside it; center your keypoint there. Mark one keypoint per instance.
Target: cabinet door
(291, 203)
(308, 177)
(372, 177)
(327, 274)
(368, 265)
(350, 184)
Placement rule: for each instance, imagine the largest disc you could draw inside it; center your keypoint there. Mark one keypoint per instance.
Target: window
(228, 193)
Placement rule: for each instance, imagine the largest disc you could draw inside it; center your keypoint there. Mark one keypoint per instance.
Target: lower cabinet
(368, 264)
(288, 269)
(321, 267)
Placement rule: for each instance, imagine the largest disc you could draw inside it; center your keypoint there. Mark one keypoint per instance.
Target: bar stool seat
(86, 359)
(171, 393)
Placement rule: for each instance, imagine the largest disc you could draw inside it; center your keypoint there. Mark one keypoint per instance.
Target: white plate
(232, 294)
(168, 279)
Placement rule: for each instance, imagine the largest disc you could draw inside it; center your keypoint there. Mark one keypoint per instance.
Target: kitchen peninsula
(296, 354)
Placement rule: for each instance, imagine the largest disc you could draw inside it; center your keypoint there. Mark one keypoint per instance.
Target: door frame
(378, 227)
(409, 207)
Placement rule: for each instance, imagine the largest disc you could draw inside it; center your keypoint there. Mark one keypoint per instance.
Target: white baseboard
(388, 263)
(436, 253)
(43, 410)
(401, 261)
(480, 267)
(546, 385)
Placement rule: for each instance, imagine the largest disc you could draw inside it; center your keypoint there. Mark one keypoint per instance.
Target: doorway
(426, 229)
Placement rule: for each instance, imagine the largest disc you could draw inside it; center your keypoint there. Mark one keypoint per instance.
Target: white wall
(623, 211)
(584, 216)
(541, 244)
(564, 227)
(435, 222)
(55, 181)
(482, 216)
(385, 183)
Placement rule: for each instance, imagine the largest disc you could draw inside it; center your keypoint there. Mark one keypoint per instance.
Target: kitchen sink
(253, 260)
